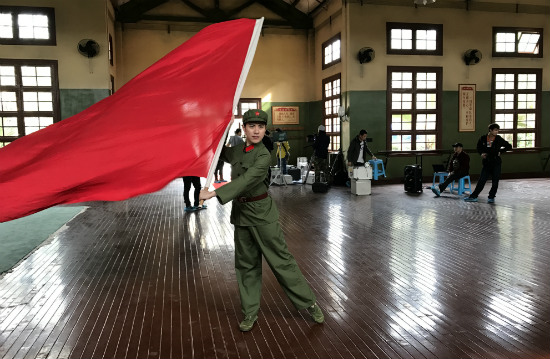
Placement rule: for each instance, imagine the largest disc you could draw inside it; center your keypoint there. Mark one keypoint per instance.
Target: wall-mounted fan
(472, 57)
(88, 48)
(365, 55)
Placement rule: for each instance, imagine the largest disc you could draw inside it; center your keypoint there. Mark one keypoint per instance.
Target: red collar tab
(248, 148)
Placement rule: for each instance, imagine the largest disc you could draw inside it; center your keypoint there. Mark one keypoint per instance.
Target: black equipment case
(296, 173)
(413, 178)
(320, 187)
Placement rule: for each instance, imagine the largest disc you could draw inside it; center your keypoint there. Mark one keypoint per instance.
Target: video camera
(311, 138)
(279, 136)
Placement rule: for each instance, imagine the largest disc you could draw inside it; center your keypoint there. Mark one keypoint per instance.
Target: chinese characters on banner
(466, 108)
(285, 115)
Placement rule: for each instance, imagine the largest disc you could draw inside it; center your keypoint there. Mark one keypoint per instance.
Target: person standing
(196, 182)
(458, 167)
(358, 149)
(257, 230)
(283, 153)
(490, 147)
(320, 154)
(236, 139)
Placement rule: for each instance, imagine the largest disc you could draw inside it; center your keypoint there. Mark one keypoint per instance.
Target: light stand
(279, 175)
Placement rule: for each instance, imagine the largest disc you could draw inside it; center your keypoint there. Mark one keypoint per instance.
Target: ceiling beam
(295, 17)
(134, 9)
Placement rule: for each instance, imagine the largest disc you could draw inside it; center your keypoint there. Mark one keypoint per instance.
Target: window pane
(506, 42)
(401, 39)
(528, 42)
(527, 81)
(401, 122)
(8, 101)
(401, 142)
(505, 120)
(402, 80)
(425, 142)
(328, 89)
(336, 88)
(504, 101)
(8, 126)
(526, 120)
(6, 26)
(504, 81)
(527, 101)
(426, 121)
(33, 26)
(426, 40)
(526, 140)
(336, 50)
(7, 76)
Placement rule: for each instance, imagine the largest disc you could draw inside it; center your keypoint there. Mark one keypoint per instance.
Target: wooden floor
(397, 275)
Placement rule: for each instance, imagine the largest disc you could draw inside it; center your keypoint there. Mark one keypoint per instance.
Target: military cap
(458, 144)
(255, 116)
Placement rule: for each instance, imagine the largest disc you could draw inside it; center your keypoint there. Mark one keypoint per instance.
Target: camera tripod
(330, 168)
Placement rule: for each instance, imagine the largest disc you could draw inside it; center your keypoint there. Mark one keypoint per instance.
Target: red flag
(167, 122)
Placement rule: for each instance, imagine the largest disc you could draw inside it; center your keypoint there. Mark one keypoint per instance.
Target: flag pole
(244, 73)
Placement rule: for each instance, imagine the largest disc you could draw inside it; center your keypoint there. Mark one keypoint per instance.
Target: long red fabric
(163, 124)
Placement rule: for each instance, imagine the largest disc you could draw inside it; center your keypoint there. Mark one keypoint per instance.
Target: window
(414, 108)
(517, 105)
(331, 101)
(20, 25)
(29, 96)
(414, 39)
(246, 104)
(331, 52)
(517, 42)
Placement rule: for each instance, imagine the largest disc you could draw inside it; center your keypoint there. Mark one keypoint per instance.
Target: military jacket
(249, 167)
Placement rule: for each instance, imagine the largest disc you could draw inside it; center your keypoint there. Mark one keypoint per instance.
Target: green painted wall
(73, 101)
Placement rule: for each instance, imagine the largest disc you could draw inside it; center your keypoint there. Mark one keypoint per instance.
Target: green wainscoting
(74, 101)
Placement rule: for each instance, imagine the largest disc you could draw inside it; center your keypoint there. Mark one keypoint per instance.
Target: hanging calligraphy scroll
(466, 108)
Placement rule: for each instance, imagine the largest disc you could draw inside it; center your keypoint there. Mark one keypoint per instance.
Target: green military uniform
(257, 230)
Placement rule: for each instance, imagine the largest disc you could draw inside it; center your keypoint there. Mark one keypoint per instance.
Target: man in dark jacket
(320, 154)
(458, 167)
(358, 149)
(490, 147)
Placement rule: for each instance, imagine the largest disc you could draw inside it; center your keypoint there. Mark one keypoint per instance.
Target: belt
(252, 199)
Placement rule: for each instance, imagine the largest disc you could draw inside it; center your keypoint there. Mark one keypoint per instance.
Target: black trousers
(491, 169)
(453, 176)
(187, 181)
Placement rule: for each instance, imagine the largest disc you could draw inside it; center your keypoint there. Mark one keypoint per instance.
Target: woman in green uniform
(256, 220)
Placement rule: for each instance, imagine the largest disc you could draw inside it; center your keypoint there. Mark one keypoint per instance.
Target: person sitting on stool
(458, 167)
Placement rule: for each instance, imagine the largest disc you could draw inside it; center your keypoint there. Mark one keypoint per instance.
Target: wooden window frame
(515, 111)
(332, 117)
(414, 27)
(16, 10)
(19, 88)
(325, 45)
(515, 30)
(439, 110)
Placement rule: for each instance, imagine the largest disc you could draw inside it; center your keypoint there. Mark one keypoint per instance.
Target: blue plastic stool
(441, 178)
(461, 188)
(376, 169)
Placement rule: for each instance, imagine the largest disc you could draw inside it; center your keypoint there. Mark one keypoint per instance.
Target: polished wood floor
(398, 276)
